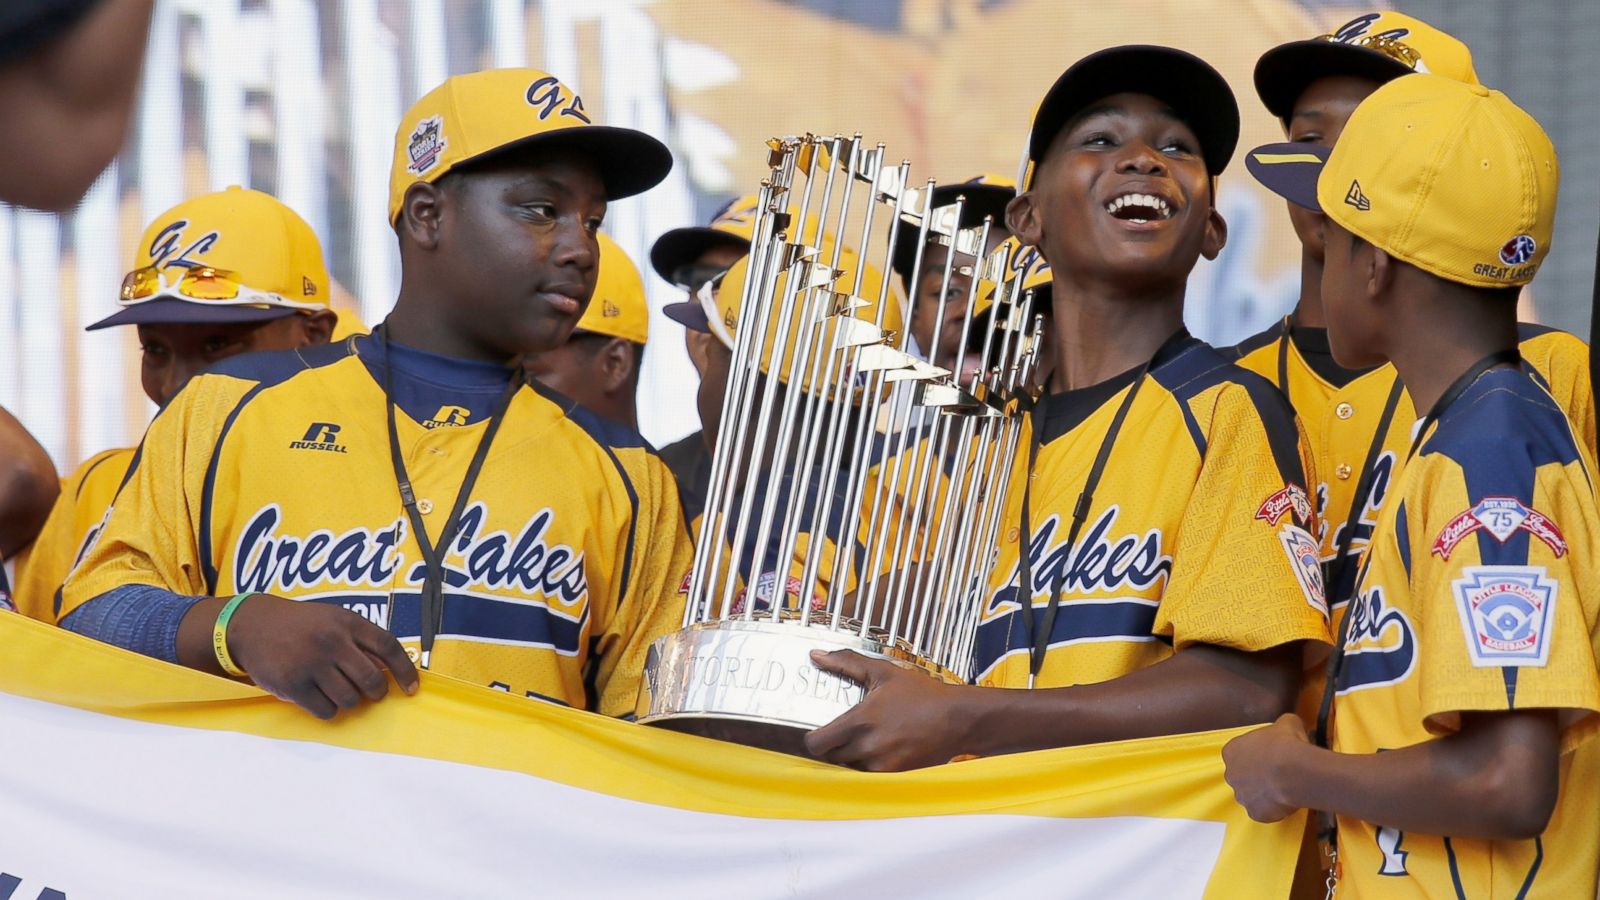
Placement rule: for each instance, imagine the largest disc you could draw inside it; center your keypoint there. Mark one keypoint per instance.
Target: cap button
(1478, 89)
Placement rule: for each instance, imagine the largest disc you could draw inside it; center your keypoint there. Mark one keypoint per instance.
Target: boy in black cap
(1164, 585)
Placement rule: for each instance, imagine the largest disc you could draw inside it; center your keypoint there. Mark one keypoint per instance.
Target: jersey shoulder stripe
(603, 431)
(86, 471)
(1506, 417)
(1201, 368)
(1260, 340)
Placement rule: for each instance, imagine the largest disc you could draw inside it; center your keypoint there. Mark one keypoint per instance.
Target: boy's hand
(1257, 767)
(907, 720)
(321, 658)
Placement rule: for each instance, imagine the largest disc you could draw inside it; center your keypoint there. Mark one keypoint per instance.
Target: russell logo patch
(1506, 614)
(1501, 517)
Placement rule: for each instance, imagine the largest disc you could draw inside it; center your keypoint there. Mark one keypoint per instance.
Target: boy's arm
(909, 720)
(1495, 779)
(28, 486)
(653, 604)
(141, 584)
(1237, 614)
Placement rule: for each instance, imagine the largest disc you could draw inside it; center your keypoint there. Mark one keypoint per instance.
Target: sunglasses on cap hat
(203, 284)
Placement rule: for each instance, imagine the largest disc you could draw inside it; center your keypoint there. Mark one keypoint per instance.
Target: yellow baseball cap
(236, 255)
(1381, 46)
(732, 226)
(1452, 178)
(720, 314)
(618, 307)
(472, 115)
(1024, 262)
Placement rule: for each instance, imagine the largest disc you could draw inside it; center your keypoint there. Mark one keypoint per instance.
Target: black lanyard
(1283, 360)
(1336, 659)
(432, 599)
(1039, 638)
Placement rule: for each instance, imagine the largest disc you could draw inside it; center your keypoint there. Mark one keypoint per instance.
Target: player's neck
(1102, 331)
(1439, 337)
(422, 326)
(1308, 312)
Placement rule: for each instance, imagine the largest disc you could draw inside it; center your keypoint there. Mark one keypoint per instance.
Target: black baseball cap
(986, 197)
(1195, 91)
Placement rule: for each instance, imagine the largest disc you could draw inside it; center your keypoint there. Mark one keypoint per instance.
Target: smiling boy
(1164, 583)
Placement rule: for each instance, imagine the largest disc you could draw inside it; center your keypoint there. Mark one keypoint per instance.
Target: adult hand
(319, 657)
(1257, 766)
(907, 720)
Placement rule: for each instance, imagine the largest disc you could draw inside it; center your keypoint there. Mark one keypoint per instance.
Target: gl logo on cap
(1519, 250)
(548, 92)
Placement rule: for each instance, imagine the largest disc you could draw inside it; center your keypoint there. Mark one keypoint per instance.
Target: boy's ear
(1381, 270)
(420, 214)
(1216, 236)
(616, 364)
(1022, 219)
(317, 327)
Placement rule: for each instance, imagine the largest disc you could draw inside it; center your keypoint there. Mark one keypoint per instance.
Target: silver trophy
(856, 489)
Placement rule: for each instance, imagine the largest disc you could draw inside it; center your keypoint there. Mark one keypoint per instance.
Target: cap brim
(1289, 170)
(983, 201)
(681, 246)
(690, 314)
(1284, 72)
(630, 162)
(172, 311)
(1196, 92)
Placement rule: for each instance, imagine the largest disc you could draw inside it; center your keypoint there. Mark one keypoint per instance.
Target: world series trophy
(902, 461)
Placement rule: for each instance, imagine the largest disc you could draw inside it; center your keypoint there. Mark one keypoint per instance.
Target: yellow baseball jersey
(1479, 594)
(1198, 532)
(1340, 409)
(273, 474)
(73, 523)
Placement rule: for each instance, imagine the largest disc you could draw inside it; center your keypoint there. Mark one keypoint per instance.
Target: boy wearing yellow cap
(598, 366)
(222, 274)
(317, 520)
(1464, 684)
(689, 258)
(1154, 578)
(1358, 421)
(717, 313)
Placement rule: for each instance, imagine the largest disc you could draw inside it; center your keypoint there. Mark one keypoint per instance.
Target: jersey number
(1394, 859)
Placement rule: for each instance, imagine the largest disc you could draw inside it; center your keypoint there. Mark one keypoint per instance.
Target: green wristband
(219, 636)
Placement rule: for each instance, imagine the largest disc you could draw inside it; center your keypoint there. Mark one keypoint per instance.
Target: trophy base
(753, 682)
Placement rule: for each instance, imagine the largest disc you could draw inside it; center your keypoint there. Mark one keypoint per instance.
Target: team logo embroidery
(1519, 250)
(448, 416)
(1305, 558)
(308, 287)
(547, 94)
(426, 143)
(1292, 498)
(1380, 648)
(320, 436)
(1354, 197)
(610, 310)
(167, 247)
(1358, 26)
(683, 586)
(1506, 613)
(1501, 517)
